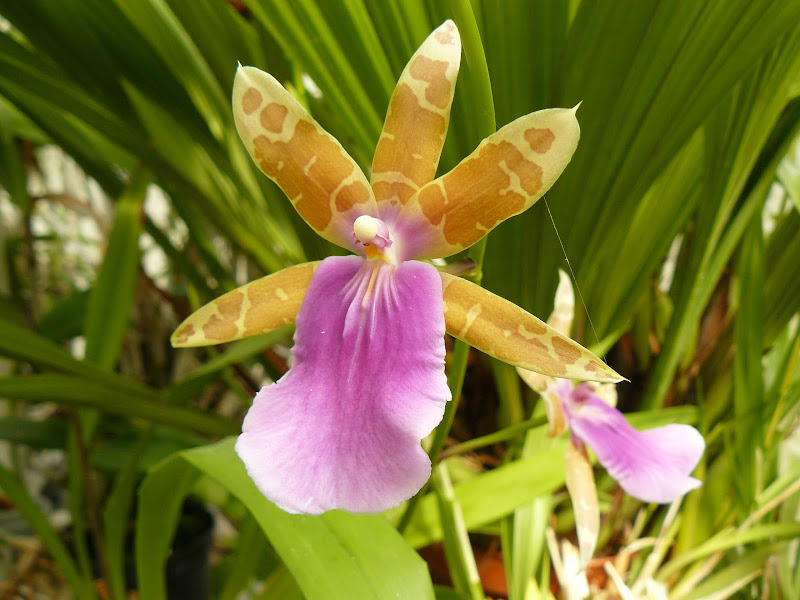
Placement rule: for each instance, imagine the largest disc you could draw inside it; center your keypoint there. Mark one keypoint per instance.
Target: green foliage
(688, 109)
(336, 555)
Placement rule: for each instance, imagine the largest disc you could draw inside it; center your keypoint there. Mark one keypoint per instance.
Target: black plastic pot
(187, 565)
(187, 569)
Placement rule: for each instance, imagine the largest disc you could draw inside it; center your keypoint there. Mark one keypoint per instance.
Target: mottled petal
(583, 493)
(416, 122)
(342, 428)
(325, 185)
(505, 175)
(653, 465)
(255, 308)
(504, 331)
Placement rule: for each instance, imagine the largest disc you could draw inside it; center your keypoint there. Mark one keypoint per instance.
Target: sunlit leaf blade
(504, 331)
(492, 495)
(372, 560)
(457, 545)
(258, 307)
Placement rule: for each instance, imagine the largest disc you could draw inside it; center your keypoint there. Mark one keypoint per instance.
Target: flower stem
(508, 433)
(479, 90)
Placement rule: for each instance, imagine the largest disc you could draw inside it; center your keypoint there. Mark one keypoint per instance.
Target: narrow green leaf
(13, 176)
(280, 584)
(292, 24)
(250, 546)
(492, 495)
(36, 434)
(726, 540)
(117, 518)
(782, 284)
(161, 496)
(155, 20)
(65, 319)
(111, 301)
(727, 581)
(748, 372)
(74, 391)
(457, 546)
(22, 344)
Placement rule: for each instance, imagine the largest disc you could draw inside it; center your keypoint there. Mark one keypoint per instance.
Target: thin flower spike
(342, 428)
(653, 465)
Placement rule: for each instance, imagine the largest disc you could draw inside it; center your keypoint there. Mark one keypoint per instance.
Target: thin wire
(572, 273)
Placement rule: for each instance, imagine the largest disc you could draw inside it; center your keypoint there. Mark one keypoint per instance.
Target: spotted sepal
(504, 331)
(505, 175)
(416, 123)
(325, 185)
(252, 309)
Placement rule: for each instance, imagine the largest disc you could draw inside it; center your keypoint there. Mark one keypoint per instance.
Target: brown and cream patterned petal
(416, 123)
(325, 185)
(252, 309)
(504, 331)
(505, 175)
(583, 493)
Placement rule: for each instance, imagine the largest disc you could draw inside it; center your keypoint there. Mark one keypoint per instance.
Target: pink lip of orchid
(342, 428)
(653, 465)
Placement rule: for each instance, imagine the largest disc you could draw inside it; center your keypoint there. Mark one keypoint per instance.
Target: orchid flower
(652, 466)
(342, 428)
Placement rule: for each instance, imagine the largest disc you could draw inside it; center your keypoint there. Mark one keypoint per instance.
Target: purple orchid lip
(653, 465)
(342, 428)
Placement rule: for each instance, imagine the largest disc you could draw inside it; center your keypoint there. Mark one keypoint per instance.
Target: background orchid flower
(342, 428)
(652, 466)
